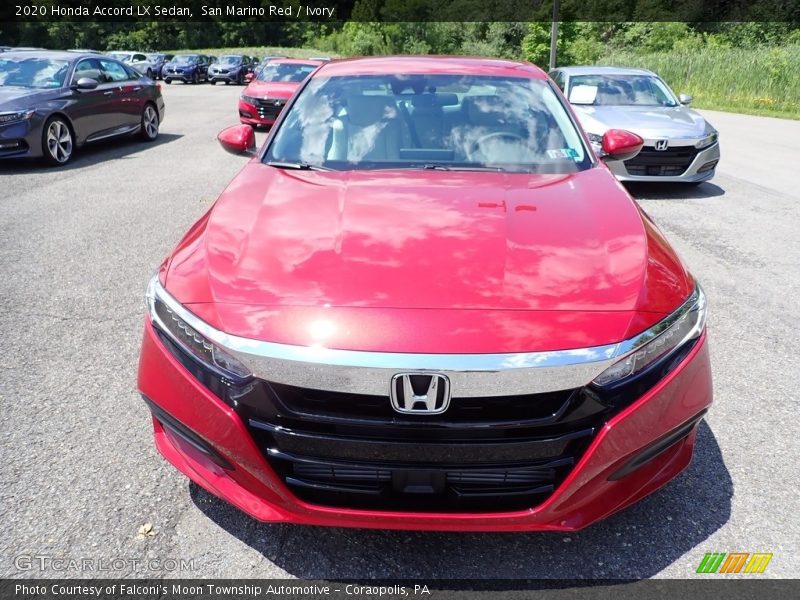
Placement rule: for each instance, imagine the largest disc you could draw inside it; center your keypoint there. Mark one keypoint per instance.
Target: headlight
(173, 319)
(249, 99)
(664, 338)
(13, 117)
(707, 141)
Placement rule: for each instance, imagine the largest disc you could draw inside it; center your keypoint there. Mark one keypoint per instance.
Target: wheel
(195, 78)
(150, 73)
(57, 142)
(149, 130)
(213, 81)
(168, 81)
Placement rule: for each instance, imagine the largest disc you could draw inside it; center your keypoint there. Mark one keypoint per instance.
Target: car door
(128, 98)
(91, 110)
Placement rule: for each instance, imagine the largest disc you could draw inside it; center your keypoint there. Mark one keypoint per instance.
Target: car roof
(603, 70)
(54, 54)
(457, 65)
(296, 61)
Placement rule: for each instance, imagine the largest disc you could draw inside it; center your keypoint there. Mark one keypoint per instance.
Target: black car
(53, 102)
(188, 68)
(230, 68)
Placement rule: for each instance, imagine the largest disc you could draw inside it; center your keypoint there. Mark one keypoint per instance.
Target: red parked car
(272, 86)
(425, 303)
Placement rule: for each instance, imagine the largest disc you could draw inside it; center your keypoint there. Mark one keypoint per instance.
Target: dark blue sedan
(54, 102)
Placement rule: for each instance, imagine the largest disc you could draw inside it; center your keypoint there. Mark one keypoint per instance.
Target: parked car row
(679, 144)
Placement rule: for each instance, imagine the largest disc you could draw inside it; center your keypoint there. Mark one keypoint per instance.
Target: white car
(137, 60)
(679, 144)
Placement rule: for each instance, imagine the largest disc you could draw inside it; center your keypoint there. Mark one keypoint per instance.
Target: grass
(258, 51)
(743, 80)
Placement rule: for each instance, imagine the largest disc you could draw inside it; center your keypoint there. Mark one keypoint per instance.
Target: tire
(150, 73)
(195, 78)
(58, 143)
(149, 123)
(213, 81)
(168, 81)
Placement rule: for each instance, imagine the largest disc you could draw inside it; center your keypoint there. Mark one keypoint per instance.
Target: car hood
(646, 121)
(495, 262)
(271, 89)
(19, 98)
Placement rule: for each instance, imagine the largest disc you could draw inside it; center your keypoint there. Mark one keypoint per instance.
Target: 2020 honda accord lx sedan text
(426, 304)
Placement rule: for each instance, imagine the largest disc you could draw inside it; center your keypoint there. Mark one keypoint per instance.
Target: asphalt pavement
(79, 475)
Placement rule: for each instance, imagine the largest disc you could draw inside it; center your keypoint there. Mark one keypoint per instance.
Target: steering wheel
(477, 145)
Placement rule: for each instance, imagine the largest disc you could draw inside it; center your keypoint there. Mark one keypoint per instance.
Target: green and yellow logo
(734, 562)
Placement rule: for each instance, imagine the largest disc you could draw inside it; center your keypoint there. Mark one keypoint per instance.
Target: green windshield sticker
(563, 153)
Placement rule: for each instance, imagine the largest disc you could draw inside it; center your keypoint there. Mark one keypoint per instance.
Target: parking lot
(80, 474)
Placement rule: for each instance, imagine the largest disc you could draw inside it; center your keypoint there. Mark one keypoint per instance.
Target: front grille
(269, 108)
(482, 454)
(664, 163)
(333, 406)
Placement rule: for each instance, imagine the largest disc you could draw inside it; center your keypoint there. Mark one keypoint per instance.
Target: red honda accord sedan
(425, 303)
(265, 96)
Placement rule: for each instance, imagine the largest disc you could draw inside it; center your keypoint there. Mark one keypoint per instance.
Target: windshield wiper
(438, 167)
(300, 166)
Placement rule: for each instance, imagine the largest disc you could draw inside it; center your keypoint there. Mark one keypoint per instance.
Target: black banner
(251, 589)
(321, 11)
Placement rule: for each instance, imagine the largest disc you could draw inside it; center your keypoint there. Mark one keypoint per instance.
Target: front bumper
(264, 113)
(184, 77)
(234, 77)
(209, 441)
(22, 139)
(686, 165)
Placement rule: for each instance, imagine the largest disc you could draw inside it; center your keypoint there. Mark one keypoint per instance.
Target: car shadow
(87, 155)
(636, 543)
(672, 191)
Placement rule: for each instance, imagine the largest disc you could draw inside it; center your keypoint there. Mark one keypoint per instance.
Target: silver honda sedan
(679, 144)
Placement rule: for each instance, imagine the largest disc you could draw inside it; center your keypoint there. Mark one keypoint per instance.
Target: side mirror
(248, 77)
(85, 83)
(239, 139)
(619, 144)
(685, 99)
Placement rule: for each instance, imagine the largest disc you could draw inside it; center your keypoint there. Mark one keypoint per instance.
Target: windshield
(625, 90)
(291, 72)
(229, 60)
(120, 56)
(33, 72)
(154, 56)
(185, 59)
(429, 121)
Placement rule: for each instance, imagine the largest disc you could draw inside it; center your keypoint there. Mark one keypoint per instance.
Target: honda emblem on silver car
(420, 393)
(661, 145)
